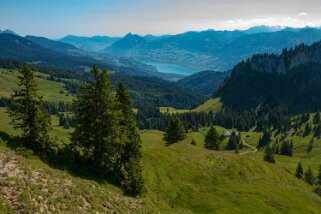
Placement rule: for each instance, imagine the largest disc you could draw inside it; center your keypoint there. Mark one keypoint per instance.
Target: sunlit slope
(213, 105)
(50, 90)
(186, 178)
(181, 178)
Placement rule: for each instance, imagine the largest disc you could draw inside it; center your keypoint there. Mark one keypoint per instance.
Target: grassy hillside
(213, 105)
(179, 179)
(185, 178)
(50, 90)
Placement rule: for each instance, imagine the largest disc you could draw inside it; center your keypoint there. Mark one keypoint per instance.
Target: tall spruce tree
(318, 181)
(234, 142)
(269, 155)
(308, 176)
(265, 140)
(175, 132)
(28, 114)
(307, 130)
(310, 146)
(299, 171)
(212, 141)
(317, 190)
(317, 131)
(286, 149)
(316, 118)
(96, 136)
(131, 172)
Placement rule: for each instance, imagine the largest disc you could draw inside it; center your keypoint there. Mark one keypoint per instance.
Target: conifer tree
(308, 176)
(96, 136)
(317, 190)
(28, 114)
(307, 130)
(317, 131)
(268, 155)
(132, 181)
(265, 140)
(233, 142)
(286, 149)
(212, 141)
(175, 132)
(299, 171)
(310, 146)
(316, 118)
(318, 181)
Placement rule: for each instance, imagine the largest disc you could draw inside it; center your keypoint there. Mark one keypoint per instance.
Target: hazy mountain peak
(264, 29)
(8, 32)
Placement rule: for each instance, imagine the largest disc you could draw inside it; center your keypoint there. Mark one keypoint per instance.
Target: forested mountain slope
(204, 82)
(292, 79)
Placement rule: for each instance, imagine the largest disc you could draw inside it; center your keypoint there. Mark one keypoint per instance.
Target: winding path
(252, 147)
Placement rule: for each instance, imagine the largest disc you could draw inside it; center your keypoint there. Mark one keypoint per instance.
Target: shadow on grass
(60, 159)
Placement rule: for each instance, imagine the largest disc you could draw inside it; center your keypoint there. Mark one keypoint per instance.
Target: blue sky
(57, 18)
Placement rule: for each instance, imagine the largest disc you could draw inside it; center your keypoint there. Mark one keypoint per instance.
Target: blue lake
(172, 68)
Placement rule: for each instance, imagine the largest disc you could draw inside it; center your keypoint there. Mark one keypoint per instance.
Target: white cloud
(269, 21)
(302, 14)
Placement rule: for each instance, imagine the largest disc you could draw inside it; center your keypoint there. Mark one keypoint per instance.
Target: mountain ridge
(211, 50)
(292, 79)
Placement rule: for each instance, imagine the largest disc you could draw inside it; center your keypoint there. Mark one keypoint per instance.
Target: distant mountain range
(95, 43)
(7, 32)
(43, 51)
(211, 50)
(292, 79)
(204, 50)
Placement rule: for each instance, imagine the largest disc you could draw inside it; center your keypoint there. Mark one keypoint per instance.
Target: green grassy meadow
(182, 178)
(50, 90)
(213, 105)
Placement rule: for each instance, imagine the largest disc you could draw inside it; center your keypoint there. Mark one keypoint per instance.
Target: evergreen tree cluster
(66, 121)
(231, 119)
(175, 132)
(265, 140)
(149, 117)
(307, 175)
(314, 127)
(212, 139)
(106, 135)
(51, 108)
(234, 142)
(286, 148)
(55, 108)
(268, 155)
(310, 146)
(316, 123)
(27, 113)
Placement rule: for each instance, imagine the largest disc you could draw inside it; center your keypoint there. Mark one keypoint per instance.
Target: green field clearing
(50, 90)
(213, 105)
